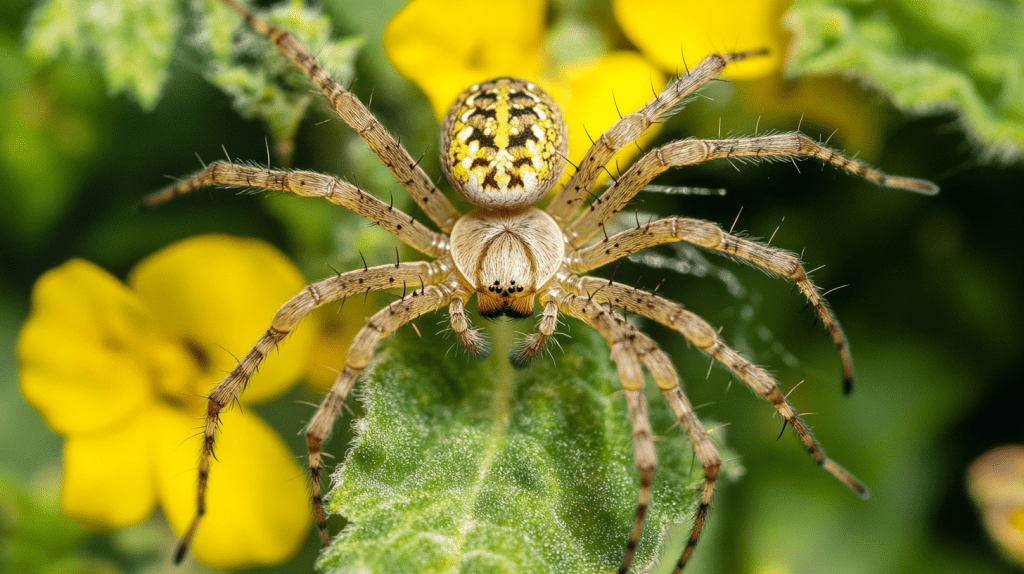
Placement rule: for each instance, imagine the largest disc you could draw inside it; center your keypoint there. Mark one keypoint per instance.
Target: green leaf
(470, 466)
(133, 40)
(262, 83)
(36, 537)
(926, 56)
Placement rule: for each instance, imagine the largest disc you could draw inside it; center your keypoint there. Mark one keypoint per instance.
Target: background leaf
(262, 83)
(133, 41)
(926, 56)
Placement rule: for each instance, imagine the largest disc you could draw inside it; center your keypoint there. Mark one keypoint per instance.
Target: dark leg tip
(527, 350)
(179, 555)
(520, 359)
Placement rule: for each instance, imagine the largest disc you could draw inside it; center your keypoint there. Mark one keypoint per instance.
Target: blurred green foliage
(926, 57)
(36, 538)
(133, 42)
(933, 313)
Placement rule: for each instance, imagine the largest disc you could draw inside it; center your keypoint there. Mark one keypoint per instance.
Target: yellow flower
(121, 371)
(667, 30)
(336, 329)
(446, 46)
(995, 481)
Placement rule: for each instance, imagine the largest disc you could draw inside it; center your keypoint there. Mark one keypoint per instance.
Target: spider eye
(503, 143)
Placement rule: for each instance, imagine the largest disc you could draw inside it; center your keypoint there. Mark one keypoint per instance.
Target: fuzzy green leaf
(926, 56)
(133, 40)
(262, 83)
(470, 466)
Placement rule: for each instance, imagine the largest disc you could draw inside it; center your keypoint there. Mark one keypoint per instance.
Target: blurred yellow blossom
(337, 328)
(995, 481)
(667, 31)
(121, 371)
(446, 46)
(821, 105)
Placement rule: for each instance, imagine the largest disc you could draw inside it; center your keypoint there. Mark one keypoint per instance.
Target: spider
(503, 148)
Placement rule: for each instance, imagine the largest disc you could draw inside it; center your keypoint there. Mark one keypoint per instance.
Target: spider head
(503, 143)
(506, 298)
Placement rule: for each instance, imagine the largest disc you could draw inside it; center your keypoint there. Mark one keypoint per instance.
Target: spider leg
(533, 344)
(569, 198)
(710, 236)
(620, 336)
(665, 376)
(468, 336)
(284, 321)
(312, 184)
(355, 114)
(691, 152)
(698, 332)
(379, 326)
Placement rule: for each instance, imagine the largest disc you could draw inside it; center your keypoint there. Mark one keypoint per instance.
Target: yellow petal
(257, 510)
(669, 30)
(446, 46)
(328, 355)
(995, 480)
(108, 477)
(91, 354)
(598, 91)
(997, 475)
(820, 105)
(1004, 521)
(217, 294)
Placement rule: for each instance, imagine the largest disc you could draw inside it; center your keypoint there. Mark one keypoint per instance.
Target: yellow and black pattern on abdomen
(504, 135)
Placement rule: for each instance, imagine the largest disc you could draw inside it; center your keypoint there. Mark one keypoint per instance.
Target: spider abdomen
(506, 256)
(503, 143)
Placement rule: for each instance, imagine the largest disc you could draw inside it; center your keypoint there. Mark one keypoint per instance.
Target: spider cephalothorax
(507, 255)
(503, 147)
